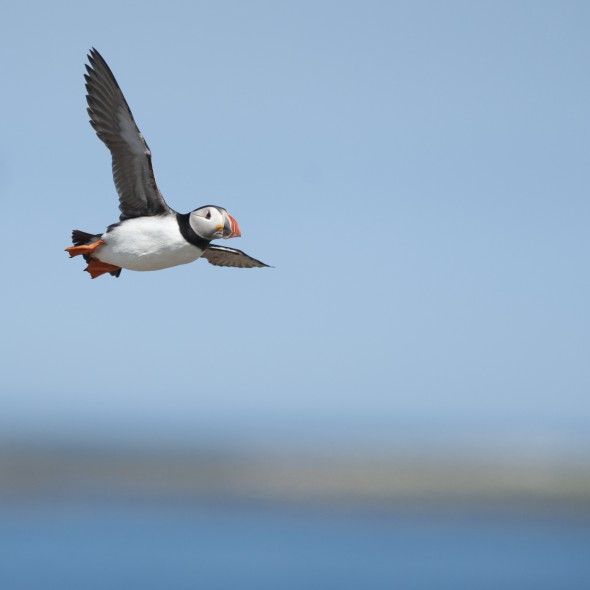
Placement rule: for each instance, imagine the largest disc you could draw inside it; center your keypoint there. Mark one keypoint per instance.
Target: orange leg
(84, 249)
(96, 268)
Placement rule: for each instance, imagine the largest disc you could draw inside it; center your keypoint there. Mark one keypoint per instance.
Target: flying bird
(149, 234)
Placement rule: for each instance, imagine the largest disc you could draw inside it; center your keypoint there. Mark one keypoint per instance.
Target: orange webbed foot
(96, 268)
(84, 249)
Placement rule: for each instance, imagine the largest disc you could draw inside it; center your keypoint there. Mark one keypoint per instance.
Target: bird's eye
(208, 216)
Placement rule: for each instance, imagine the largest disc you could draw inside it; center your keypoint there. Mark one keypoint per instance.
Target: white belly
(146, 243)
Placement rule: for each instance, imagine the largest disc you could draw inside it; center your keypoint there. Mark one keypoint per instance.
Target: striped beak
(231, 229)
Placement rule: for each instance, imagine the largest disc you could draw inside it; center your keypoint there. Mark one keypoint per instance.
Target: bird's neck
(189, 234)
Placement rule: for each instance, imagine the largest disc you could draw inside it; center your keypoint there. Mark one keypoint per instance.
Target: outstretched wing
(132, 160)
(222, 256)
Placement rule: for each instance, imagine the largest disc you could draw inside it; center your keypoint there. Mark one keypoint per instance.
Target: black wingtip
(95, 57)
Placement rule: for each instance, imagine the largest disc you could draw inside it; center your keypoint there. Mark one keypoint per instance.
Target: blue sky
(417, 174)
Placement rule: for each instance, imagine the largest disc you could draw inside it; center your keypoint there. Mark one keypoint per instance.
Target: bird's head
(212, 223)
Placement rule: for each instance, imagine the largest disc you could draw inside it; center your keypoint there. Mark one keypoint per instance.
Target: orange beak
(234, 229)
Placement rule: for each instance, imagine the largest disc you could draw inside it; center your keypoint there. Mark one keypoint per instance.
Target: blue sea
(218, 546)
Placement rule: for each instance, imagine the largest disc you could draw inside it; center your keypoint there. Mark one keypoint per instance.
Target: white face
(213, 222)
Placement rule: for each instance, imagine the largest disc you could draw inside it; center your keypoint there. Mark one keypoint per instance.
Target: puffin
(149, 235)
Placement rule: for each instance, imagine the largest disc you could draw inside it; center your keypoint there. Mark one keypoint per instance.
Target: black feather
(81, 237)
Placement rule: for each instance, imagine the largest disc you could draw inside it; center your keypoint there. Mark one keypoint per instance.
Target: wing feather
(222, 256)
(111, 118)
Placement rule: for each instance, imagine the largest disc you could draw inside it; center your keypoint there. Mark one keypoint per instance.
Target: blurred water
(227, 546)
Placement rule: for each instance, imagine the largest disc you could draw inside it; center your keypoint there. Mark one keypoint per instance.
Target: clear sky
(417, 173)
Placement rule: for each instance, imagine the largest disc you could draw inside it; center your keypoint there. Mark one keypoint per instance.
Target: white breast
(147, 243)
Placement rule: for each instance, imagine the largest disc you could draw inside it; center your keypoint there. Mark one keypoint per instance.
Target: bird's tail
(80, 239)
